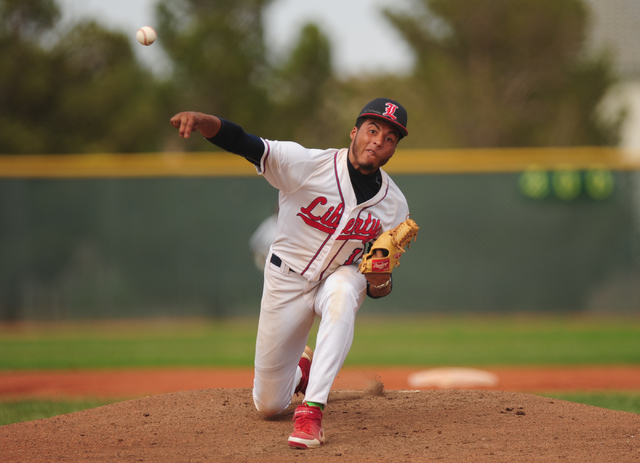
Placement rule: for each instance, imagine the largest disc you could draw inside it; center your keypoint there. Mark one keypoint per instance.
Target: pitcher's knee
(272, 390)
(269, 408)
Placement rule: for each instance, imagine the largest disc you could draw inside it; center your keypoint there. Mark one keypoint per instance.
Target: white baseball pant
(289, 306)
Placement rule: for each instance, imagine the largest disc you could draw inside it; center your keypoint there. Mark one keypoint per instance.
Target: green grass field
(28, 410)
(414, 341)
(420, 341)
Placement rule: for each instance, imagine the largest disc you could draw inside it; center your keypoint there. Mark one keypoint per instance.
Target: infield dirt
(222, 425)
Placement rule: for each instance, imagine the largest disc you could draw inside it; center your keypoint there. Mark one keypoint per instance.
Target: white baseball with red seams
(317, 208)
(146, 35)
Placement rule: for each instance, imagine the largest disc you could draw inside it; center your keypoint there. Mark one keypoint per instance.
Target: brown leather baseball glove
(391, 243)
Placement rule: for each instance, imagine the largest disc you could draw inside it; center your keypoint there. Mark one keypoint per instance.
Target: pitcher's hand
(189, 121)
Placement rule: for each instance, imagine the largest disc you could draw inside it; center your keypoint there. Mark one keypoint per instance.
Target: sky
(362, 40)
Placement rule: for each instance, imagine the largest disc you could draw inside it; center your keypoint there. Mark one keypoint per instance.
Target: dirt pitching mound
(222, 425)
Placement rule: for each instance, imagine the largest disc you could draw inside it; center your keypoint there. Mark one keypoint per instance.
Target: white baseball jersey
(320, 225)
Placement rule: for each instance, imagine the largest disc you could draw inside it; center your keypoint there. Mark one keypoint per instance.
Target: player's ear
(353, 133)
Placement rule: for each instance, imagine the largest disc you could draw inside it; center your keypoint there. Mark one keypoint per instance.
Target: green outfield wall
(551, 239)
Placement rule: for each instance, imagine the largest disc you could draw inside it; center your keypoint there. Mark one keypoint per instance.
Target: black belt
(275, 260)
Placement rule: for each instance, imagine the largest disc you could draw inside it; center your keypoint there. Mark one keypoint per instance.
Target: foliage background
(488, 73)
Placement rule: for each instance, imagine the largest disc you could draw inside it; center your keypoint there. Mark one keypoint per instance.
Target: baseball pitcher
(333, 204)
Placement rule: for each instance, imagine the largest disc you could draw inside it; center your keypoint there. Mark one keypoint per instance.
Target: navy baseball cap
(389, 111)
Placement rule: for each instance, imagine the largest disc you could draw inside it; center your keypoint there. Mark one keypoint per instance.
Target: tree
(26, 20)
(79, 93)
(302, 90)
(25, 73)
(105, 100)
(505, 73)
(218, 55)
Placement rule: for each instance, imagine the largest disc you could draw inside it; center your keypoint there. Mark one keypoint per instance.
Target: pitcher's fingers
(188, 123)
(187, 127)
(185, 123)
(176, 120)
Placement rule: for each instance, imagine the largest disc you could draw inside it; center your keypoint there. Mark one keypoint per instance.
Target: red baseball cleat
(305, 366)
(308, 432)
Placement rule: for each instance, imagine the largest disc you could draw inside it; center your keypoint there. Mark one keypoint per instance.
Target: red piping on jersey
(316, 255)
(335, 172)
(332, 259)
(346, 241)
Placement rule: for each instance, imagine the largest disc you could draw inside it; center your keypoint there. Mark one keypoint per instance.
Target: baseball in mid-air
(146, 35)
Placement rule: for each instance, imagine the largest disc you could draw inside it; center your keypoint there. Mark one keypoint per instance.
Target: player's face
(372, 145)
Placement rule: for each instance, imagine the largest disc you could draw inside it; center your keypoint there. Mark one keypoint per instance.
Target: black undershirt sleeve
(234, 139)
